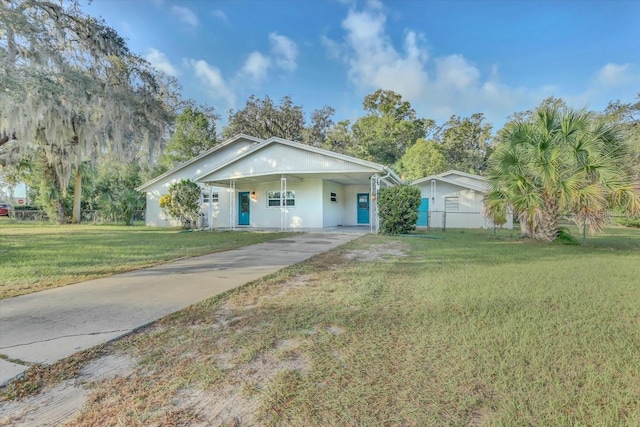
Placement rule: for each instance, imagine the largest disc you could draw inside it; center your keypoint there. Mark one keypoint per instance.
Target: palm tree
(559, 162)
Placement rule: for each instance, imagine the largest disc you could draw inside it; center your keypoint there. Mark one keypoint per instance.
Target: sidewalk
(48, 326)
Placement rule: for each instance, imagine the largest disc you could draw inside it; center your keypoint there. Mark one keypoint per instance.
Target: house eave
(375, 167)
(449, 181)
(181, 166)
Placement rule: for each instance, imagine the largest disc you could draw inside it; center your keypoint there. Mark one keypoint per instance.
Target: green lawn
(470, 329)
(38, 257)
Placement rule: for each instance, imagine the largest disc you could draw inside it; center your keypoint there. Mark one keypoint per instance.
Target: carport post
(232, 204)
(210, 214)
(283, 203)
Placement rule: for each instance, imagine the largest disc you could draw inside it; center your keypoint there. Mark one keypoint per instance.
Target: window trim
(215, 197)
(450, 202)
(274, 197)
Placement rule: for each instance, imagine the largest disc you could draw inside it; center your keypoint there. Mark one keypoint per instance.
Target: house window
(273, 198)
(205, 197)
(452, 203)
(334, 197)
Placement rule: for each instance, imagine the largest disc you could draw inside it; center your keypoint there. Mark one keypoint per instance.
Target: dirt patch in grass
(59, 403)
(235, 401)
(198, 370)
(385, 252)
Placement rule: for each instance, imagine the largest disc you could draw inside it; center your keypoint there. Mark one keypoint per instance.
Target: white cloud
(211, 77)
(284, 51)
(456, 72)
(611, 82)
(220, 15)
(283, 55)
(334, 49)
(256, 66)
(374, 61)
(186, 15)
(614, 75)
(160, 61)
(437, 87)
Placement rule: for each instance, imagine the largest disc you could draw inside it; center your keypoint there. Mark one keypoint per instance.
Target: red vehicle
(5, 209)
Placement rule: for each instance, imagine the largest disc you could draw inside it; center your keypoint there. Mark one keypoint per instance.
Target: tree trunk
(58, 206)
(549, 219)
(77, 197)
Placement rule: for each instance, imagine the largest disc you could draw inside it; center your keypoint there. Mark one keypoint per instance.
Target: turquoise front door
(423, 213)
(244, 206)
(363, 208)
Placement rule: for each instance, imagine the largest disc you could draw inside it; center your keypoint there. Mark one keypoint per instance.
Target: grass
(471, 329)
(39, 257)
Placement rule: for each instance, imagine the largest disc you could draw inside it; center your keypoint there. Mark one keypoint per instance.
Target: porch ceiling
(354, 178)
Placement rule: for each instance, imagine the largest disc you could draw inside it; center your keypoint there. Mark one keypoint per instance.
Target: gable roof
(198, 157)
(391, 176)
(439, 177)
(465, 174)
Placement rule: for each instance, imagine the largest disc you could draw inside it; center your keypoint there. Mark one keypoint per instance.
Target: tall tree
(422, 159)
(321, 123)
(339, 138)
(628, 117)
(262, 118)
(466, 142)
(388, 129)
(71, 90)
(560, 161)
(194, 133)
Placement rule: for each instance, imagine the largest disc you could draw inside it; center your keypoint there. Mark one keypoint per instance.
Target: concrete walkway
(48, 326)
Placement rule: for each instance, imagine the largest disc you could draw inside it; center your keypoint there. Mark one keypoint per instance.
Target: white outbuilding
(249, 182)
(454, 199)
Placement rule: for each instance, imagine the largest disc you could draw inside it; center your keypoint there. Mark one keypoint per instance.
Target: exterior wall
(154, 215)
(307, 212)
(470, 207)
(332, 212)
(350, 203)
(219, 211)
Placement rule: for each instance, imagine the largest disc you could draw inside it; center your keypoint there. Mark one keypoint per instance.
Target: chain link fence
(88, 216)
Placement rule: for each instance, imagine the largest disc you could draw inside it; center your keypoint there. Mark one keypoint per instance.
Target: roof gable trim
(198, 157)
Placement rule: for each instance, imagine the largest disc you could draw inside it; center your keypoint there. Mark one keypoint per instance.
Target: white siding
(462, 179)
(154, 215)
(470, 206)
(282, 159)
(333, 212)
(307, 212)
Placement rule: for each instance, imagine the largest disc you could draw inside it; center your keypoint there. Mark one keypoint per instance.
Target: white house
(454, 199)
(275, 183)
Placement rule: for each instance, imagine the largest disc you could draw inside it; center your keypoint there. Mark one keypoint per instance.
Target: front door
(423, 213)
(363, 208)
(243, 208)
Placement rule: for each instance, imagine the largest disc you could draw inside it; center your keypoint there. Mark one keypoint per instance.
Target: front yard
(456, 328)
(38, 257)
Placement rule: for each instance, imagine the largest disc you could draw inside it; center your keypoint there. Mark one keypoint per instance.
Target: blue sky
(446, 57)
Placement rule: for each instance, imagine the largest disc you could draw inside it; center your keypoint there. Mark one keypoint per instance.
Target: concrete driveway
(48, 326)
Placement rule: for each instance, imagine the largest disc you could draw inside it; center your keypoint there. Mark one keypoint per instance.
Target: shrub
(398, 209)
(629, 222)
(25, 208)
(182, 202)
(565, 237)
